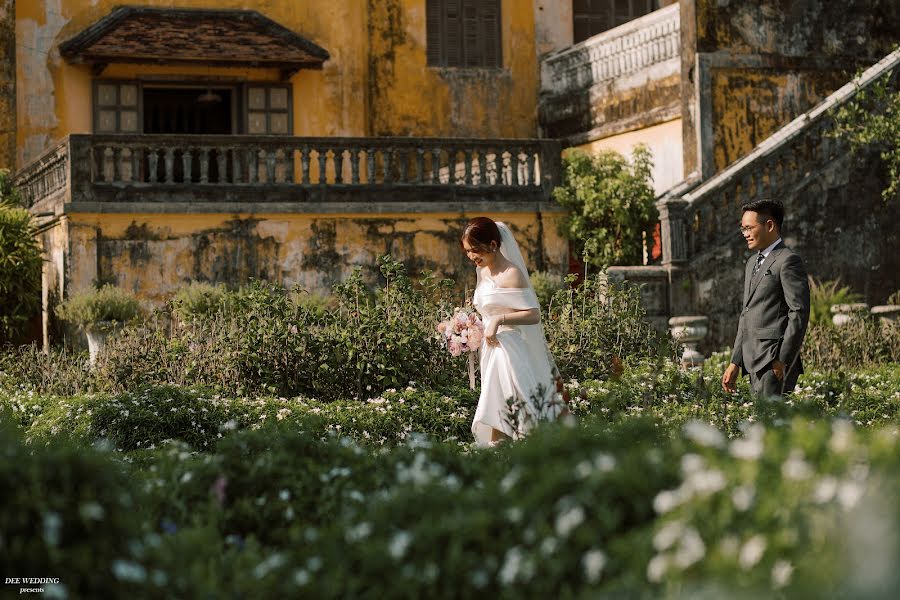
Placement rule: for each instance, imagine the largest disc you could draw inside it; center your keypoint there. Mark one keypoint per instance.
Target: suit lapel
(766, 266)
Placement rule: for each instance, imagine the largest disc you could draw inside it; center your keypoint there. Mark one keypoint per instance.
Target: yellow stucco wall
(664, 142)
(155, 254)
(375, 83)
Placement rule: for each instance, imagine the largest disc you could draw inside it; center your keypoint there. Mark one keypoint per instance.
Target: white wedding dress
(520, 366)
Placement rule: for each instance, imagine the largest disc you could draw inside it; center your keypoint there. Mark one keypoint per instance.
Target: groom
(775, 311)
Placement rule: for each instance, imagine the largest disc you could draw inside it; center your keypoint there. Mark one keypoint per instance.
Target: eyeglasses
(746, 229)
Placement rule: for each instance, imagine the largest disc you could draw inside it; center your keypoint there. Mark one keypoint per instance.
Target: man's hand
(729, 378)
(778, 367)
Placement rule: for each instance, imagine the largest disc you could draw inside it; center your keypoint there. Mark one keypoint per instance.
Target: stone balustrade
(104, 165)
(633, 47)
(700, 216)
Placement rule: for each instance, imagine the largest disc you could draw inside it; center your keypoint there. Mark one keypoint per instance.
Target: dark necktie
(759, 260)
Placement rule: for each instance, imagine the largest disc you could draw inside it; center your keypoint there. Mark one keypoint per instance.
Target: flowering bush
(462, 332)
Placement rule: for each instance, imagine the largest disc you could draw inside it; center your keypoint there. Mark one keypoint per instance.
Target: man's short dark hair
(771, 209)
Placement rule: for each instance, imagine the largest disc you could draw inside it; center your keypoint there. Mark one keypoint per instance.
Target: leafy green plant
(824, 295)
(546, 285)
(90, 307)
(593, 328)
(198, 299)
(611, 205)
(20, 264)
(872, 119)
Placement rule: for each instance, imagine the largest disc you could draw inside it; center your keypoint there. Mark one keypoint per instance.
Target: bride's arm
(532, 316)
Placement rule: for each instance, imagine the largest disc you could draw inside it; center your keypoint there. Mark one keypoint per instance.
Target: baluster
(237, 174)
(420, 164)
(529, 167)
(126, 165)
(517, 168)
(186, 156)
(387, 158)
(435, 176)
(280, 170)
(403, 164)
(204, 164)
(467, 173)
(322, 158)
(252, 165)
(482, 167)
(107, 169)
(354, 165)
(269, 157)
(170, 165)
(304, 165)
(222, 163)
(370, 166)
(339, 166)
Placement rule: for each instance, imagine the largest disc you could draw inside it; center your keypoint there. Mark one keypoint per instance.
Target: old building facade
(217, 140)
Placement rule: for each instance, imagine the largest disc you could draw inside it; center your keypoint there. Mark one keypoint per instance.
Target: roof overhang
(151, 35)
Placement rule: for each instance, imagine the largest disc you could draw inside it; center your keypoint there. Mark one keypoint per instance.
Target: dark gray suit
(773, 321)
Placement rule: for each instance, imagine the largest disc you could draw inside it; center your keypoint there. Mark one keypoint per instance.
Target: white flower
(704, 433)
(667, 535)
(691, 463)
(751, 552)
(795, 467)
(52, 523)
(657, 568)
(825, 489)
(301, 577)
(605, 462)
(228, 425)
(742, 497)
(584, 469)
(91, 510)
(549, 545)
(399, 543)
(841, 436)
(849, 493)
(666, 500)
(706, 482)
(187, 477)
(510, 479)
(593, 563)
(125, 570)
(359, 532)
(782, 571)
(512, 563)
(569, 520)
(749, 447)
(514, 514)
(284, 495)
(266, 566)
(690, 548)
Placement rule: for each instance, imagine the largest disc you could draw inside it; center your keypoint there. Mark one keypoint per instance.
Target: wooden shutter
(433, 30)
(491, 34)
(452, 34)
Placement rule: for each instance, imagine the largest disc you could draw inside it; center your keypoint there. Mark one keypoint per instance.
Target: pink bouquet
(463, 332)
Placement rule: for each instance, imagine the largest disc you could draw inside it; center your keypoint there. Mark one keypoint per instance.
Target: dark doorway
(188, 111)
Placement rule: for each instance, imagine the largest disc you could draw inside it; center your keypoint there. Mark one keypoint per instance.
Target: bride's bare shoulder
(511, 278)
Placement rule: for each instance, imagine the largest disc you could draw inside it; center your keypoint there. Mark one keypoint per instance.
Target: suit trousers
(764, 383)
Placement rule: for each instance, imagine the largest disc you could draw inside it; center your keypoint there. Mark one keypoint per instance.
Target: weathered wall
(553, 25)
(371, 85)
(155, 254)
(460, 102)
(55, 242)
(664, 142)
(8, 84)
(837, 222)
(751, 67)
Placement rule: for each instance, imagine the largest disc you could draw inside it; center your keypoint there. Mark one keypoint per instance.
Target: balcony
(592, 89)
(236, 173)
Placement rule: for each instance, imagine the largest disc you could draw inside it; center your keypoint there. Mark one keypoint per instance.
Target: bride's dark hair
(480, 232)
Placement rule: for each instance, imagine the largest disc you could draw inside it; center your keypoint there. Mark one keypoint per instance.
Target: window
(596, 16)
(268, 110)
(463, 33)
(116, 107)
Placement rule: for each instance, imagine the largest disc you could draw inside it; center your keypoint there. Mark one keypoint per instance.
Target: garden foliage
(610, 204)
(108, 303)
(20, 265)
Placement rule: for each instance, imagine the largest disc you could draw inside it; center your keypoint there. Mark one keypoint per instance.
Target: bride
(515, 361)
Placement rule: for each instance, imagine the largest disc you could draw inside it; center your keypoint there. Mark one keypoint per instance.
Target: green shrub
(593, 328)
(610, 204)
(198, 299)
(860, 343)
(90, 307)
(20, 266)
(824, 295)
(59, 371)
(71, 513)
(546, 285)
